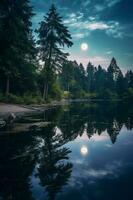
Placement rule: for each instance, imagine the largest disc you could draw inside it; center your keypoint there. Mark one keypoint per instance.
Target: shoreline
(7, 108)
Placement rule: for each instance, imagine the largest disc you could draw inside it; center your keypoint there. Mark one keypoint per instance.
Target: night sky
(105, 25)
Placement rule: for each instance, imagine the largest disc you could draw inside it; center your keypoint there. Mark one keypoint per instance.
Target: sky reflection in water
(85, 153)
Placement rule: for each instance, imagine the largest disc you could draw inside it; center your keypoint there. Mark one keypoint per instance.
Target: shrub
(27, 98)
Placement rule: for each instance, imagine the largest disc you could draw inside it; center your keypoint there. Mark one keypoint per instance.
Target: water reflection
(84, 150)
(68, 150)
(53, 169)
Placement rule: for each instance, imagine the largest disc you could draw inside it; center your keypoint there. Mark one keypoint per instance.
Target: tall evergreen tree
(90, 76)
(129, 79)
(66, 76)
(100, 79)
(120, 84)
(113, 73)
(52, 36)
(15, 38)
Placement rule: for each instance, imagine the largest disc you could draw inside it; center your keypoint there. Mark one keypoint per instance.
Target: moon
(84, 150)
(84, 46)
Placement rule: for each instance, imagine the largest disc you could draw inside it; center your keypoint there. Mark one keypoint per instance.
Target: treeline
(23, 79)
(96, 82)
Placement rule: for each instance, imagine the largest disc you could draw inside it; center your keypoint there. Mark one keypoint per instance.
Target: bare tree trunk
(7, 85)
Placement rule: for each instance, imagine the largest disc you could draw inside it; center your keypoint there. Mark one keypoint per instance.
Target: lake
(82, 151)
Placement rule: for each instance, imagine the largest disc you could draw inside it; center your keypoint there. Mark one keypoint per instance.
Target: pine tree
(52, 36)
(90, 76)
(113, 72)
(100, 79)
(129, 79)
(15, 38)
(54, 170)
(66, 76)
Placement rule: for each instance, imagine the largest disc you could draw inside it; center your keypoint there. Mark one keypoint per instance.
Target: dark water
(84, 152)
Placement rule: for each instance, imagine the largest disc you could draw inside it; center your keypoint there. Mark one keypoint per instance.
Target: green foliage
(95, 83)
(17, 50)
(128, 95)
(11, 99)
(53, 36)
(107, 95)
(32, 99)
(27, 99)
(55, 92)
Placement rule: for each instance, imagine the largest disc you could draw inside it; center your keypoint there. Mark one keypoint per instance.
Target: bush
(32, 99)
(11, 99)
(66, 95)
(27, 98)
(55, 92)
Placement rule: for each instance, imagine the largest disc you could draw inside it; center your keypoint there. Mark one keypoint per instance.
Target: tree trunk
(68, 87)
(48, 65)
(47, 92)
(7, 86)
(44, 91)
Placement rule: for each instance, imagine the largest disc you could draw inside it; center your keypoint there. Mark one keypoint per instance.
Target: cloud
(86, 3)
(105, 5)
(115, 30)
(73, 17)
(76, 21)
(99, 8)
(78, 35)
(112, 170)
(96, 60)
(108, 145)
(83, 20)
(91, 18)
(109, 52)
(112, 2)
(98, 173)
(79, 59)
(97, 26)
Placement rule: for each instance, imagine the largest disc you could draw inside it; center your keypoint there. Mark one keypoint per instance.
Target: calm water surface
(80, 151)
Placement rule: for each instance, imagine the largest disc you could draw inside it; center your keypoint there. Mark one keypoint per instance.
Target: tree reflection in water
(54, 171)
(43, 147)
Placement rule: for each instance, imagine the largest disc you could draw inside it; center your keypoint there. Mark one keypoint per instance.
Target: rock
(11, 118)
(2, 123)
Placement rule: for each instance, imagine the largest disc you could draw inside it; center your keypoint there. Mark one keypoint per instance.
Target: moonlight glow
(84, 46)
(84, 150)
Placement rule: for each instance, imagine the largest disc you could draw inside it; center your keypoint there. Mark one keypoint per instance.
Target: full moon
(84, 46)
(84, 150)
